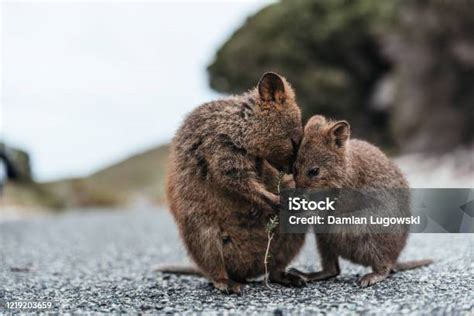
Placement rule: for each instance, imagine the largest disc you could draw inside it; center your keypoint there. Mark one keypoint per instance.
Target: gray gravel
(103, 261)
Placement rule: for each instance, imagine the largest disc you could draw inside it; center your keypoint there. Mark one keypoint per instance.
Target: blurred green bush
(360, 60)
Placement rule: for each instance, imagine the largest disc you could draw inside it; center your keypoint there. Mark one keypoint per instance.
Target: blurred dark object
(7, 170)
(16, 163)
(400, 71)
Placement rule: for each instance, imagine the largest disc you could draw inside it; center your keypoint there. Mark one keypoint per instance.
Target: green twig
(270, 228)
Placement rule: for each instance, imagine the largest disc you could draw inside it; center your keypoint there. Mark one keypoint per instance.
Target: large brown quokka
(328, 159)
(221, 157)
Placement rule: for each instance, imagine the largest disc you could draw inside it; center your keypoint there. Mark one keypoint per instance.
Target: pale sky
(87, 84)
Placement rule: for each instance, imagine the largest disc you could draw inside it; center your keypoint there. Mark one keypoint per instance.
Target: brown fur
(328, 159)
(221, 170)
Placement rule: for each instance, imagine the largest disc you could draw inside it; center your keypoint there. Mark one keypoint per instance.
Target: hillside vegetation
(138, 178)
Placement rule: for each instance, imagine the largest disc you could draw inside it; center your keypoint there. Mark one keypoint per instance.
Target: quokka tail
(178, 269)
(408, 265)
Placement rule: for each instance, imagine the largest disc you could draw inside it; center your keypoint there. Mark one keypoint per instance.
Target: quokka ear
(271, 87)
(339, 133)
(316, 122)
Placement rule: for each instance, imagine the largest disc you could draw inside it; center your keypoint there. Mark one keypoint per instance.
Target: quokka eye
(313, 172)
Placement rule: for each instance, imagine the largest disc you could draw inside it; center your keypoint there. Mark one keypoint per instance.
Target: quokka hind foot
(287, 279)
(228, 286)
(315, 276)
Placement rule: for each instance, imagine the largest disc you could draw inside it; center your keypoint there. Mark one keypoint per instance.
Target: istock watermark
(377, 211)
(297, 204)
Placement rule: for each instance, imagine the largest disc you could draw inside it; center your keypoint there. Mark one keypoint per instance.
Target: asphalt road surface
(103, 261)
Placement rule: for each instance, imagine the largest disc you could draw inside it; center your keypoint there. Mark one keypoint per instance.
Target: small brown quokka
(327, 158)
(225, 159)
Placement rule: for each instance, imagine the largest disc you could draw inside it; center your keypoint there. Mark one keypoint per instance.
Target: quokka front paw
(371, 278)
